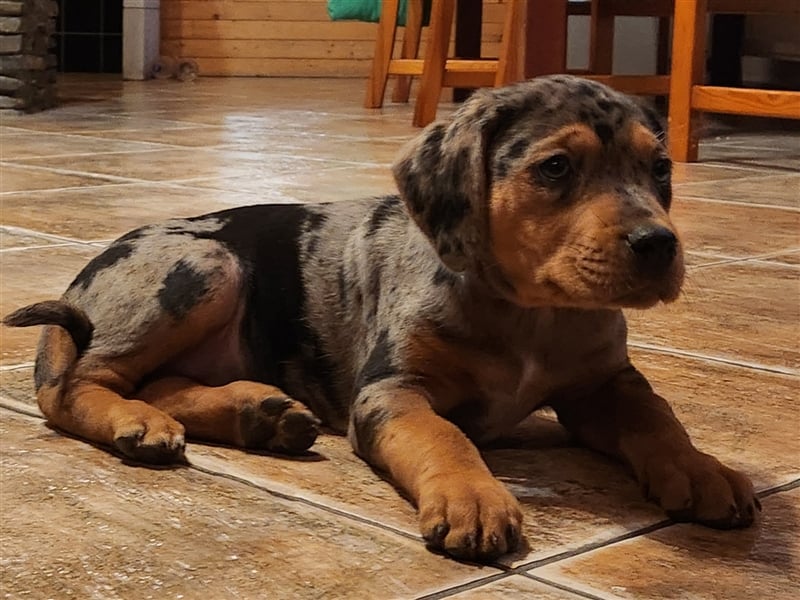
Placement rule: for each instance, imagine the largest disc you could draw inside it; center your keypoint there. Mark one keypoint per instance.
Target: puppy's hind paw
(279, 424)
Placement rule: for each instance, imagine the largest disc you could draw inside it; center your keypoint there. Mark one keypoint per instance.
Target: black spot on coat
(182, 289)
(368, 421)
(315, 220)
(447, 211)
(382, 212)
(379, 362)
(110, 257)
(604, 132)
(443, 276)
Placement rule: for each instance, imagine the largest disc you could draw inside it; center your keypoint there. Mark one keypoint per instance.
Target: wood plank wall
(280, 37)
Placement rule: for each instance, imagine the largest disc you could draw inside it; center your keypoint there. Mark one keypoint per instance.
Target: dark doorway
(89, 36)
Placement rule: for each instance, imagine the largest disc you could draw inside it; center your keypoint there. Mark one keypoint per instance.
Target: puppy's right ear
(442, 176)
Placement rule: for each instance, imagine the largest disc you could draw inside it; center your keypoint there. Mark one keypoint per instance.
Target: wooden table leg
(469, 17)
(546, 37)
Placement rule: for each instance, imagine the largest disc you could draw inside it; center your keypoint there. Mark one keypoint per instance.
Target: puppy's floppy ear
(443, 177)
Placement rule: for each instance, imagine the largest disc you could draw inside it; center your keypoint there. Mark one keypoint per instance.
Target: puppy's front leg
(463, 509)
(628, 420)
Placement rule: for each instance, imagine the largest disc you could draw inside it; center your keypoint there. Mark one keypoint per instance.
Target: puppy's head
(555, 192)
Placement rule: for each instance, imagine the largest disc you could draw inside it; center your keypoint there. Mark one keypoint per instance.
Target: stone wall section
(27, 61)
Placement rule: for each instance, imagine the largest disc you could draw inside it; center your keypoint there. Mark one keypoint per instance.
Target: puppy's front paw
(470, 516)
(692, 486)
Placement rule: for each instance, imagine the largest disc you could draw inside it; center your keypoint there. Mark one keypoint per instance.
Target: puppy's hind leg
(87, 398)
(246, 414)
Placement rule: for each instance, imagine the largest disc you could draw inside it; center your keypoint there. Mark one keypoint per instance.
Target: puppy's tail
(56, 312)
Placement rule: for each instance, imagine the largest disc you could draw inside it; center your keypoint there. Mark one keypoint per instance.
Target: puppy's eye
(662, 169)
(556, 167)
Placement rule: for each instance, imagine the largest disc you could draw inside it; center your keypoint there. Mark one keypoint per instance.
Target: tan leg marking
(463, 509)
(242, 413)
(628, 420)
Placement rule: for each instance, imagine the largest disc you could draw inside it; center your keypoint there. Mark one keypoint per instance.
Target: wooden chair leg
(384, 46)
(662, 42)
(411, 39)
(430, 87)
(688, 61)
(509, 67)
(601, 38)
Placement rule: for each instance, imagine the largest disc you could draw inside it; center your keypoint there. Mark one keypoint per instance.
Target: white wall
(635, 44)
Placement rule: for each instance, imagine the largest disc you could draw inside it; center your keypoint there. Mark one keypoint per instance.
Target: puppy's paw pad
(696, 487)
(470, 518)
(152, 444)
(279, 423)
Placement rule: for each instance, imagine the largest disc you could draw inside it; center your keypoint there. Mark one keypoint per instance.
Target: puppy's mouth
(622, 288)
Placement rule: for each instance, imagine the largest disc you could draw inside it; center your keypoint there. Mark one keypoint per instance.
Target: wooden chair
(687, 92)
(683, 84)
(436, 69)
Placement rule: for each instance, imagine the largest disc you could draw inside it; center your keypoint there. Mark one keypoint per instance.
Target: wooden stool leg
(601, 38)
(411, 38)
(509, 67)
(430, 87)
(384, 45)
(688, 61)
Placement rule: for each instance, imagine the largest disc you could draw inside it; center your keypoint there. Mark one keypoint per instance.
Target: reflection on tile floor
(76, 522)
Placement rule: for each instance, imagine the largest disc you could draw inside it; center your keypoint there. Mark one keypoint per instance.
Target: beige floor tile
(515, 586)
(746, 311)
(16, 383)
(13, 238)
(690, 561)
(32, 144)
(106, 212)
(702, 172)
(367, 150)
(774, 140)
(570, 496)
(15, 178)
(79, 119)
(745, 417)
(781, 190)
(178, 164)
(28, 276)
(192, 137)
(735, 230)
(104, 529)
(325, 183)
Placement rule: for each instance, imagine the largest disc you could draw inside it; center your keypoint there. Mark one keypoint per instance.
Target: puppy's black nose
(654, 246)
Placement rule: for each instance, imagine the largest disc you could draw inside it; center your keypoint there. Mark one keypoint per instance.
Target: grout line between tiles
(781, 370)
(34, 233)
(308, 502)
(590, 547)
(17, 366)
(784, 487)
(463, 587)
(32, 411)
(682, 197)
(565, 588)
(60, 171)
(36, 247)
(759, 259)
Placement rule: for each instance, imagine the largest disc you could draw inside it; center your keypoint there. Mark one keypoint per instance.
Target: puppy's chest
(506, 393)
(502, 384)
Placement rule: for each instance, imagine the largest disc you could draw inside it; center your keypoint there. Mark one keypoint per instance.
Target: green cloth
(367, 10)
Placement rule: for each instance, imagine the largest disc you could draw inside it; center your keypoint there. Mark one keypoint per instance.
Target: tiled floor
(76, 522)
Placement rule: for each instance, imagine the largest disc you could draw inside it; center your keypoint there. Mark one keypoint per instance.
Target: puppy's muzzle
(654, 248)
